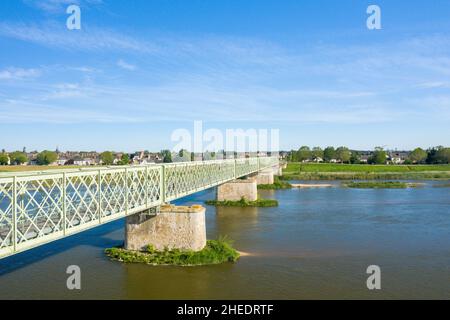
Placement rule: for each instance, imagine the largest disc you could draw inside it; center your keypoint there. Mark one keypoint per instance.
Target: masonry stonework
(237, 189)
(265, 177)
(174, 227)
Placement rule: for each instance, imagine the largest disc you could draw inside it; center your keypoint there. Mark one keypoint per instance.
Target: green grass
(243, 203)
(332, 171)
(277, 184)
(215, 252)
(377, 185)
(296, 167)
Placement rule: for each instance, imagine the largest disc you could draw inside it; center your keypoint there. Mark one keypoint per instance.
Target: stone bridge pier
(173, 227)
(247, 188)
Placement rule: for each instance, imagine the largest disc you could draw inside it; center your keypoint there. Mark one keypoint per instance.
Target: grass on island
(337, 171)
(215, 252)
(243, 203)
(379, 185)
(277, 184)
(443, 185)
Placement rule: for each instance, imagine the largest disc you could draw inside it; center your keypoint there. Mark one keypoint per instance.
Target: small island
(381, 185)
(215, 252)
(243, 203)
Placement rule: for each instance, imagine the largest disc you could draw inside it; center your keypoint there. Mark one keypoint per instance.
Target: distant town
(434, 155)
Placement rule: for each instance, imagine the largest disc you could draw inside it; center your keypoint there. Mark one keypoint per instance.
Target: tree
(355, 158)
(167, 156)
(418, 155)
(184, 155)
(329, 153)
(46, 157)
(125, 159)
(343, 154)
(378, 156)
(304, 153)
(443, 155)
(293, 156)
(438, 155)
(317, 152)
(107, 158)
(18, 157)
(4, 159)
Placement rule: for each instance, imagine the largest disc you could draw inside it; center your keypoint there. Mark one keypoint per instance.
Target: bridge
(40, 207)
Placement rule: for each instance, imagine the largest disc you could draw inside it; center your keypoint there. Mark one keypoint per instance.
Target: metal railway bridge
(40, 207)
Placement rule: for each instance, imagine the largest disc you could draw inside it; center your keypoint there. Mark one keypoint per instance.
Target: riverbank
(215, 252)
(330, 171)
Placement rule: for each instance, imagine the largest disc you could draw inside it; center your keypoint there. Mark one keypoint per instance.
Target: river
(316, 245)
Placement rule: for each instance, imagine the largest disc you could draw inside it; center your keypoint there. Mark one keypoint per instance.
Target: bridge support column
(237, 189)
(265, 177)
(173, 228)
(278, 171)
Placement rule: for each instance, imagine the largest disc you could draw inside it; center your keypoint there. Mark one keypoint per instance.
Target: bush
(215, 252)
(243, 203)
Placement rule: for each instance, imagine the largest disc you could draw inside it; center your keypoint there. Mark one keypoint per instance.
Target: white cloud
(124, 65)
(18, 74)
(87, 39)
(58, 6)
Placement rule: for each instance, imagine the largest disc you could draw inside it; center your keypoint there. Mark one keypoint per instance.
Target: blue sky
(138, 70)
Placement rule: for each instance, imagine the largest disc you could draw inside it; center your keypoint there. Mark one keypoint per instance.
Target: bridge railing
(36, 208)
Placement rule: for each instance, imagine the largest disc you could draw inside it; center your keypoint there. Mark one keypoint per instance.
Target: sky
(138, 70)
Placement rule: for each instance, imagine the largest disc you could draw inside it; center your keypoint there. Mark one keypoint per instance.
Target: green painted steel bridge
(40, 207)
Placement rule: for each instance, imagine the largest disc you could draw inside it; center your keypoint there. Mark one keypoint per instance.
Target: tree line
(434, 155)
(18, 157)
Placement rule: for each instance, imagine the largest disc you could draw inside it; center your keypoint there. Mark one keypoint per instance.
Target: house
(61, 162)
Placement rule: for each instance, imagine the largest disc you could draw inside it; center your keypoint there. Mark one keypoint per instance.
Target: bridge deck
(39, 207)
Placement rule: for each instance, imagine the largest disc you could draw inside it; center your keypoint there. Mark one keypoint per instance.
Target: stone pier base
(265, 177)
(278, 171)
(237, 189)
(173, 228)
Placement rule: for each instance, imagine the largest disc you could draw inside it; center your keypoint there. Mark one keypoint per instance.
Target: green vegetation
(4, 159)
(377, 185)
(215, 251)
(343, 154)
(46, 157)
(18, 158)
(329, 153)
(443, 185)
(243, 203)
(124, 160)
(438, 155)
(294, 168)
(335, 171)
(107, 158)
(418, 155)
(379, 156)
(167, 156)
(277, 184)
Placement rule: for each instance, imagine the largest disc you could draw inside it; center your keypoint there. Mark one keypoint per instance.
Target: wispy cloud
(91, 39)
(127, 66)
(58, 6)
(18, 74)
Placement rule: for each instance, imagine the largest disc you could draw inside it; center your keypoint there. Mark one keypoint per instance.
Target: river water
(317, 244)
